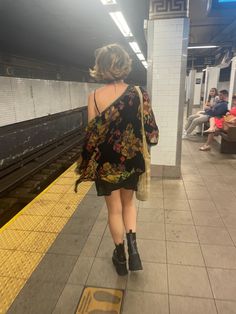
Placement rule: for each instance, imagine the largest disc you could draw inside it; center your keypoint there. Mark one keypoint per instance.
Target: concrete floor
(187, 241)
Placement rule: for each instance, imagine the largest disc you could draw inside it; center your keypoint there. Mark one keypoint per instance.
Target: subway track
(23, 181)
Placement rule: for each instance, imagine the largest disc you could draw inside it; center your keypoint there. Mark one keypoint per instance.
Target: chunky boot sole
(135, 263)
(121, 267)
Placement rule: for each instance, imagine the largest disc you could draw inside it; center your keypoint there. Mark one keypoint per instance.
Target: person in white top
(201, 116)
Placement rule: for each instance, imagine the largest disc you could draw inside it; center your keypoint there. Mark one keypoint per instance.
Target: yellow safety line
(10, 285)
(34, 200)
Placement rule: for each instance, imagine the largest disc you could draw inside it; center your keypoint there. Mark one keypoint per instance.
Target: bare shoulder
(100, 90)
(91, 95)
(97, 91)
(91, 98)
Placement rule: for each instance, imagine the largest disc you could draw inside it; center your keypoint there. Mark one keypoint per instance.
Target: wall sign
(198, 81)
(226, 1)
(214, 5)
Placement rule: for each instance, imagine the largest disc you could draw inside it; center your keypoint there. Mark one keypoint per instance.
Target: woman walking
(112, 154)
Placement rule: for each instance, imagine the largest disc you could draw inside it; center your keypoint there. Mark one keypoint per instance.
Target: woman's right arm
(91, 107)
(207, 105)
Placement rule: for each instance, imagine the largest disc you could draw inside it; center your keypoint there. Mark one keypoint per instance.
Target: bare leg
(116, 226)
(129, 216)
(115, 218)
(210, 139)
(207, 145)
(129, 210)
(212, 125)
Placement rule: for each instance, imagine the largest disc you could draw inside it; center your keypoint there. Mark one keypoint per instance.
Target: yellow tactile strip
(20, 264)
(25, 238)
(9, 288)
(100, 300)
(38, 242)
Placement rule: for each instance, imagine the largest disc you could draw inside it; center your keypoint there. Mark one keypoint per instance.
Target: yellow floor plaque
(100, 300)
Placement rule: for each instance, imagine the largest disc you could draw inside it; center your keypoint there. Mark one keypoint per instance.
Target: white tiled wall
(24, 99)
(7, 102)
(224, 85)
(169, 52)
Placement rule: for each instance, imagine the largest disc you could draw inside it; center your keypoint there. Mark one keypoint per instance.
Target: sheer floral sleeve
(150, 126)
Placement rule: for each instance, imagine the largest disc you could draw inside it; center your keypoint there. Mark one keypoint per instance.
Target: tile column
(192, 78)
(168, 32)
(232, 86)
(187, 87)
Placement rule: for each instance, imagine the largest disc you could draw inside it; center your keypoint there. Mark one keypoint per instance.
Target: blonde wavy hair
(112, 64)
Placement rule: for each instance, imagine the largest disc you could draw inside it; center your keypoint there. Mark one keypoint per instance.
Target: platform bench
(228, 141)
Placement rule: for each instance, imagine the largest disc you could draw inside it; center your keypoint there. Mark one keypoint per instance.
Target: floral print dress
(112, 153)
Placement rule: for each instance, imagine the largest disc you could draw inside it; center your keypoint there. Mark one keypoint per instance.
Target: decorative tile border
(166, 9)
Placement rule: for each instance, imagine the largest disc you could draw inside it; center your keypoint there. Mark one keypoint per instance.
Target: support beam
(168, 33)
(232, 86)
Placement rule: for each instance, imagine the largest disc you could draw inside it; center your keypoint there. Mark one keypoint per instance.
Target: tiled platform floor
(187, 240)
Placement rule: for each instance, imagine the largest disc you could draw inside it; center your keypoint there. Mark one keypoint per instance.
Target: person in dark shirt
(221, 107)
(218, 111)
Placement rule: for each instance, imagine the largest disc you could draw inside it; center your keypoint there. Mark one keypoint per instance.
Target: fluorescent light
(135, 46)
(120, 21)
(202, 47)
(140, 56)
(145, 64)
(108, 2)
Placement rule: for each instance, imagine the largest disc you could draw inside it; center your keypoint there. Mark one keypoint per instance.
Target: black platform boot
(119, 260)
(134, 258)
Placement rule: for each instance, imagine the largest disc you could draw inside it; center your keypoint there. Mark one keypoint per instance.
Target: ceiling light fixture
(145, 64)
(202, 47)
(120, 21)
(134, 45)
(108, 2)
(140, 56)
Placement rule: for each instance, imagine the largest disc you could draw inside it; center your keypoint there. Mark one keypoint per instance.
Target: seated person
(212, 99)
(218, 123)
(218, 111)
(201, 116)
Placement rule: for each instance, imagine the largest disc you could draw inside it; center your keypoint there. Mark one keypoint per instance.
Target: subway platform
(59, 245)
